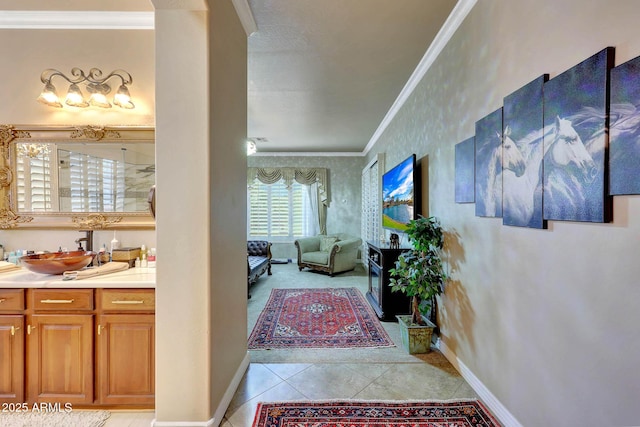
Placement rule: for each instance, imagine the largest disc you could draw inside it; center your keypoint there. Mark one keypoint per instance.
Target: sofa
(331, 254)
(258, 261)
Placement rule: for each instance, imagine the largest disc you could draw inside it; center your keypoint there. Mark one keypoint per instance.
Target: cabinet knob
(100, 328)
(2, 300)
(14, 329)
(30, 328)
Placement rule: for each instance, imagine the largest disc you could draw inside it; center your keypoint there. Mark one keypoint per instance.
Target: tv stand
(385, 303)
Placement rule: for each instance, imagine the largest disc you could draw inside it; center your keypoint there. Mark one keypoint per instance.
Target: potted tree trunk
(420, 275)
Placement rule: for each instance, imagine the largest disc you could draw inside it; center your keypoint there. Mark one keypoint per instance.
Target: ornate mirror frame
(10, 218)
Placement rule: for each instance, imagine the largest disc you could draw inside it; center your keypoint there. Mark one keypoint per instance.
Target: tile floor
(381, 374)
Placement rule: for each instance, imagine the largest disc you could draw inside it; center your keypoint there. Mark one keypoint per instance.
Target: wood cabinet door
(60, 358)
(126, 359)
(12, 358)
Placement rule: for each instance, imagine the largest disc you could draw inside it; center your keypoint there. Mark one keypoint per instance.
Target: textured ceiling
(323, 74)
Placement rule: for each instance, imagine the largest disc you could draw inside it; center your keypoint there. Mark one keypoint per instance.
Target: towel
(8, 266)
(110, 267)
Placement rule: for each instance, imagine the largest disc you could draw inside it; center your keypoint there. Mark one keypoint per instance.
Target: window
(278, 213)
(84, 183)
(96, 183)
(34, 179)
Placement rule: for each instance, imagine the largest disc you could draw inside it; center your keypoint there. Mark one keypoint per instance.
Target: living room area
(312, 374)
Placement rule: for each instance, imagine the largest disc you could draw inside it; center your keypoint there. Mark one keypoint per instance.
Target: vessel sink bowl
(57, 262)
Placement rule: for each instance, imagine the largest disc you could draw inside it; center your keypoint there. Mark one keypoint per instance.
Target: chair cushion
(320, 257)
(327, 242)
(256, 262)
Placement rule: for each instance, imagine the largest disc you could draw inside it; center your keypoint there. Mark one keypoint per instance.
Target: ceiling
(322, 74)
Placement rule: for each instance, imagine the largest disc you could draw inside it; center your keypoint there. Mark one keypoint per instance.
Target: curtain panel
(304, 176)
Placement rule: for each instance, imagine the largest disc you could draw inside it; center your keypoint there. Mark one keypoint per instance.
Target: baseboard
(209, 423)
(222, 407)
(498, 409)
(218, 415)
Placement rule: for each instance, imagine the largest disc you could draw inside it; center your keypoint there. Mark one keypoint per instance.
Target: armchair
(332, 254)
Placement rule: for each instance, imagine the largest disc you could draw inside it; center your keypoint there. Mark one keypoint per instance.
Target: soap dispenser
(115, 244)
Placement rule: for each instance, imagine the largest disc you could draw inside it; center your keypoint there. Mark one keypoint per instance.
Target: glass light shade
(49, 97)
(99, 100)
(75, 98)
(251, 148)
(122, 98)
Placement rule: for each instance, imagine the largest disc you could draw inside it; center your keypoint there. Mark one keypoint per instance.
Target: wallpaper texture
(545, 320)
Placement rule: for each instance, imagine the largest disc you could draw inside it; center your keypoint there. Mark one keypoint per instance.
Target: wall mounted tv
(399, 195)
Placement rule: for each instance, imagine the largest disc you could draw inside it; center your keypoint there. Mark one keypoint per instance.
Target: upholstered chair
(332, 254)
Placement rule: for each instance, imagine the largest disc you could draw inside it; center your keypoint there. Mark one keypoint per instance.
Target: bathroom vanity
(89, 343)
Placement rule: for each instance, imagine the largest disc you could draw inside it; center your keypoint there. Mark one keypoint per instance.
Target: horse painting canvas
(624, 125)
(489, 165)
(465, 159)
(523, 130)
(575, 115)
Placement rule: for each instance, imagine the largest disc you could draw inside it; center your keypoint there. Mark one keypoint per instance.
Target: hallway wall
(544, 319)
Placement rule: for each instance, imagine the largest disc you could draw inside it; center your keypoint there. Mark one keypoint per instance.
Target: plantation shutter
(97, 184)
(34, 183)
(277, 212)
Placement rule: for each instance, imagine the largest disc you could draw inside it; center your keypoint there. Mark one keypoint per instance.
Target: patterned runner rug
(317, 318)
(460, 413)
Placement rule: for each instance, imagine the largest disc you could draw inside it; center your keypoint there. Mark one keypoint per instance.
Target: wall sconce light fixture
(251, 147)
(96, 85)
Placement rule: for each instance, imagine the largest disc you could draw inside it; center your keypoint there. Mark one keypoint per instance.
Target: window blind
(277, 212)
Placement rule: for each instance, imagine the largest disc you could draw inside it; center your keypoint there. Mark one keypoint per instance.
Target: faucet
(88, 238)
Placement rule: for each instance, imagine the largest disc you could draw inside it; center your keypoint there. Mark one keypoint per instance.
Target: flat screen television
(399, 195)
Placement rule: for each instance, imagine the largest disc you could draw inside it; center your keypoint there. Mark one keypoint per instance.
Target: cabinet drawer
(118, 300)
(11, 300)
(62, 299)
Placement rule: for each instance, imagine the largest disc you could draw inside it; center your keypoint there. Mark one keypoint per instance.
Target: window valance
(304, 176)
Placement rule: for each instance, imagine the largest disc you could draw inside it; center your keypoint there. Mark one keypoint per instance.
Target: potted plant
(419, 273)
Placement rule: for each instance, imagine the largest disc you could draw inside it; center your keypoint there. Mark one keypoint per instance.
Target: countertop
(140, 277)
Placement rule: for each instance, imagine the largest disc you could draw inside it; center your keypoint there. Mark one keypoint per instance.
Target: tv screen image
(398, 195)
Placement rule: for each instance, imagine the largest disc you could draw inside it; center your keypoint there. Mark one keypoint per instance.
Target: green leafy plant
(419, 272)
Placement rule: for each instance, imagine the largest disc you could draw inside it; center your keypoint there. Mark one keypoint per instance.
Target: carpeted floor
(318, 318)
(287, 276)
(459, 413)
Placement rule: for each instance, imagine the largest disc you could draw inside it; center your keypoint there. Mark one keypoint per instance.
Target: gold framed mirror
(76, 177)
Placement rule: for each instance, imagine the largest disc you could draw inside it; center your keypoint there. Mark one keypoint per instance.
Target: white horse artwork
(520, 203)
(568, 170)
(504, 156)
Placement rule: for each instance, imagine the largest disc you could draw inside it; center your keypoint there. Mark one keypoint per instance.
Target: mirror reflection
(83, 177)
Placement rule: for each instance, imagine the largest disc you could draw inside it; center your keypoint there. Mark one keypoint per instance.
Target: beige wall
(201, 164)
(27, 53)
(546, 320)
(228, 202)
(183, 287)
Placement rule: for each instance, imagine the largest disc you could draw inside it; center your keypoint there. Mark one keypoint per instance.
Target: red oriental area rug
(460, 413)
(317, 318)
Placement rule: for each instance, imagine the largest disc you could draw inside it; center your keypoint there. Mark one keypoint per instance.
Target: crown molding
(308, 154)
(75, 20)
(246, 16)
(450, 26)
